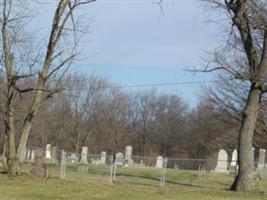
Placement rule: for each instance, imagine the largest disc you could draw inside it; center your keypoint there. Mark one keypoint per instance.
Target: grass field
(130, 183)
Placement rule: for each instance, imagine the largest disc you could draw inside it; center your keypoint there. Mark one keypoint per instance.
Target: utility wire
(161, 84)
(155, 84)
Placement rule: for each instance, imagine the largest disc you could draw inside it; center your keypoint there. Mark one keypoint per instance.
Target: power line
(164, 84)
(161, 84)
(148, 85)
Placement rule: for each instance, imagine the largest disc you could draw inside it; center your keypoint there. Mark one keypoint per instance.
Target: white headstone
(119, 159)
(264, 174)
(128, 156)
(128, 152)
(103, 157)
(234, 158)
(84, 155)
(48, 151)
(73, 158)
(33, 154)
(261, 161)
(28, 155)
(221, 166)
(159, 163)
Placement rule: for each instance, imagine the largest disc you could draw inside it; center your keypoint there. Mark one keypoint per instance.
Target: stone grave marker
(234, 158)
(233, 165)
(28, 154)
(128, 152)
(160, 162)
(141, 164)
(39, 168)
(33, 152)
(264, 174)
(73, 158)
(119, 159)
(261, 161)
(128, 156)
(103, 157)
(48, 152)
(84, 154)
(221, 166)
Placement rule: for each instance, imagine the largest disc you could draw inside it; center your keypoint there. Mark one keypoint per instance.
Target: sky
(134, 42)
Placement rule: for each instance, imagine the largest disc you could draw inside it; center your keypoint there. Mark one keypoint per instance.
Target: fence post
(199, 169)
(62, 165)
(111, 169)
(114, 170)
(165, 170)
(160, 181)
(163, 173)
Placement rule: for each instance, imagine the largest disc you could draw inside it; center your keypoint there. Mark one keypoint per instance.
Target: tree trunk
(243, 181)
(14, 167)
(22, 148)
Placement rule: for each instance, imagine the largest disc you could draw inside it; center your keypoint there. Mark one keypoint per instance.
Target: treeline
(91, 111)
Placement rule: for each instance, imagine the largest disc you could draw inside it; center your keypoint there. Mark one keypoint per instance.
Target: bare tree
(171, 116)
(145, 104)
(52, 63)
(246, 61)
(83, 94)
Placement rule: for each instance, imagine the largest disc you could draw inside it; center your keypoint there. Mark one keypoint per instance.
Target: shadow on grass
(167, 181)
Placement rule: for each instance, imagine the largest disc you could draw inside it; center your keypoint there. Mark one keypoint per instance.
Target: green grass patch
(130, 184)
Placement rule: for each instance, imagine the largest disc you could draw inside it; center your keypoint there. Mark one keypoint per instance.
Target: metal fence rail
(140, 170)
(156, 171)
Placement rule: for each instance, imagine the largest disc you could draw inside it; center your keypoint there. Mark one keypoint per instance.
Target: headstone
(98, 162)
(128, 152)
(39, 168)
(54, 154)
(221, 166)
(73, 158)
(119, 159)
(264, 174)
(103, 157)
(33, 154)
(261, 161)
(159, 163)
(233, 165)
(93, 161)
(234, 158)
(128, 156)
(28, 155)
(84, 155)
(141, 164)
(48, 152)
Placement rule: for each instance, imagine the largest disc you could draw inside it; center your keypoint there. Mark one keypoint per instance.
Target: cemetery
(158, 175)
(133, 99)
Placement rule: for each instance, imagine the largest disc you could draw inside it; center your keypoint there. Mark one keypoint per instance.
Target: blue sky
(133, 42)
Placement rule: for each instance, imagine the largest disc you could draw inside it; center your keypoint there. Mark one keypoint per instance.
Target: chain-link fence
(135, 169)
(119, 168)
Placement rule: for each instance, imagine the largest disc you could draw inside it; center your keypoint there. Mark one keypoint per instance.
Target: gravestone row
(51, 155)
(223, 165)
